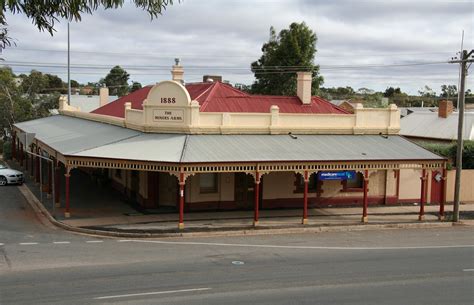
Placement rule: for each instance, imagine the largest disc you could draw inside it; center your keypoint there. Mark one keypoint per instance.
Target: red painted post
(257, 191)
(421, 215)
(57, 184)
(305, 198)
(443, 195)
(365, 217)
(181, 201)
(67, 212)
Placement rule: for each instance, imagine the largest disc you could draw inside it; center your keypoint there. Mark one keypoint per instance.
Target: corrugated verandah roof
(76, 137)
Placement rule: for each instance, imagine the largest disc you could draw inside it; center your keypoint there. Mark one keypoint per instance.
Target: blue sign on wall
(342, 175)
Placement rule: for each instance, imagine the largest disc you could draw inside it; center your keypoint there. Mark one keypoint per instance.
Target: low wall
(467, 185)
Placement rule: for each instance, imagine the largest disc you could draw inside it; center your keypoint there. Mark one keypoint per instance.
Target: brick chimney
(303, 86)
(177, 72)
(103, 96)
(445, 108)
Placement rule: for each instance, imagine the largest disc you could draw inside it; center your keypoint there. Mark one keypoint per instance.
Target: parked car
(10, 176)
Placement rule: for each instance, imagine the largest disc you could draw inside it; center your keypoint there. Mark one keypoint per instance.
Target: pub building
(209, 146)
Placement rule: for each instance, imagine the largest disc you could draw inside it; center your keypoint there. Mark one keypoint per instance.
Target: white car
(10, 176)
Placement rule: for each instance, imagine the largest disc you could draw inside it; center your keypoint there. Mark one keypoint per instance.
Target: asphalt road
(42, 265)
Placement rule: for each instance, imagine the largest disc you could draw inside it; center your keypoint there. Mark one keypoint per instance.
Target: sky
(362, 44)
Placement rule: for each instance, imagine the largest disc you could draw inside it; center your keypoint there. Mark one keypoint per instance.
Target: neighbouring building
(437, 126)
(209, 146)
(88, 103)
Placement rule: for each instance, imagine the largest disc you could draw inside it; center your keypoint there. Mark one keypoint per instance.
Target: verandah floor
(92, 206)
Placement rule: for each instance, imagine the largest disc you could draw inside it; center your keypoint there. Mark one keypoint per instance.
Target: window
(354, 185)
(208, 183)
(312, 183)
(118, 173)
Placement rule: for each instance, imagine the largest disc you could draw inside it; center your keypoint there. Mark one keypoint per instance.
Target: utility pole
(68, 67)
(460, 145)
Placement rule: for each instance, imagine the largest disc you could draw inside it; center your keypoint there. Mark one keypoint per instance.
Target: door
(244, 191)
(436, 185)
(168, 190)
(134, 186)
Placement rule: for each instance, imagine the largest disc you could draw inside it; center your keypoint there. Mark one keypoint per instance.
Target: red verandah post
(305, 198)
(181, 201)
(421, 216)
(257, 189)
(365, 217)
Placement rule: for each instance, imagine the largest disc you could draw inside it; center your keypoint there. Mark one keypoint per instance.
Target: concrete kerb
(41, 211)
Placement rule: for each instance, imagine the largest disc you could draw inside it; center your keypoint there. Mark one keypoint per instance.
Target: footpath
(240, 222)
(96, 211)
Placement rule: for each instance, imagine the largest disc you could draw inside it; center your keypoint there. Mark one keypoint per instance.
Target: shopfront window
(208, 183)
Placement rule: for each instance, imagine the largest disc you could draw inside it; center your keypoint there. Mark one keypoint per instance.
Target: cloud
(224, 37)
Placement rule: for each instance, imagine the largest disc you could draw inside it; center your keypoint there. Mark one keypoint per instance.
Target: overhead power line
(263, 69)
(207, 55)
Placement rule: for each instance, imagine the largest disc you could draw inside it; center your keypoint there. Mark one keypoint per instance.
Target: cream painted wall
(410, 184)
(280, 185)
(225, 186)
(391, 183)
(467, 185)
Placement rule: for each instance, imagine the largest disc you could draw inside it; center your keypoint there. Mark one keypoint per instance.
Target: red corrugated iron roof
(220, 97)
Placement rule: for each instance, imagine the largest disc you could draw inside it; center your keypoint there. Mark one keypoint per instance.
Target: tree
(391, 92)
(293, 50)
(14, 106)
(44, 14)
(449, 91)
(34, 83)
(365, 91)
(395, 95)
(135, 86)
(427, 92)
(116, 81)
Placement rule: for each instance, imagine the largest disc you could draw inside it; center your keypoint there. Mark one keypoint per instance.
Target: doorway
(244, 191)
(436, 185)
(168, 190)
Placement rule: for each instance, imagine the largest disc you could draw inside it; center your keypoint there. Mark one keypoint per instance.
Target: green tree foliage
(135, 86)
(291, 51)
(33, 83)
(449, 91)
(396, 96)
(75, 84)
(14, 106)
(339, 93)
(449, 151)
(44, 14)
(116, 81)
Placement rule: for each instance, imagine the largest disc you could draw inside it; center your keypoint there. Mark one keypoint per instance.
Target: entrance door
(436, 186)
(135, 185)
(168, 190)
(244, 191)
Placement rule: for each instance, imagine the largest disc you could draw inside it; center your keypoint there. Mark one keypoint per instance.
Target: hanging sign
(340, 175)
